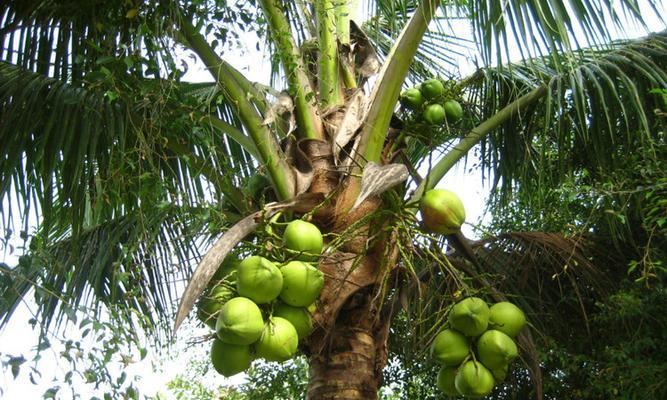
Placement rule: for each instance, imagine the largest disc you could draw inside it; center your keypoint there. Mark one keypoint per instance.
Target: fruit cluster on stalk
(476, 346)
(259, 309)
(432, 103)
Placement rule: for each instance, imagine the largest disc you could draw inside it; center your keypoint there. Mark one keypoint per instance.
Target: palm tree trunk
(351, 365)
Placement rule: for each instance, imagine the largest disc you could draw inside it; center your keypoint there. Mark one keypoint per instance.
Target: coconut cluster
(476, 346)
(432, 103)
(258, 307)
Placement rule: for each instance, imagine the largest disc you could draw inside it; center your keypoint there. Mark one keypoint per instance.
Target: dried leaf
(378, 179)
(354, 117)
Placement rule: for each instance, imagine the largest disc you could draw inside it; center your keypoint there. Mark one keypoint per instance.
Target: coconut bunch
(258, 307)
(477, 346)
(431, 102)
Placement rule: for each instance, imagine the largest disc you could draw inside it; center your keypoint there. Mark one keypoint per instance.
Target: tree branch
(327, 78)
(309, 124)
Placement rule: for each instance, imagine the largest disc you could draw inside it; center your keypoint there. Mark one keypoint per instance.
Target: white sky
(18, 337)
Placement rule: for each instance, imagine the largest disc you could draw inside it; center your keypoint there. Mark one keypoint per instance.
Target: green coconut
(305, 238)
(442, 211)
(278, 341)
(302, 283)
(258, 279)
(239, 322)
(226, 271)
(434, 114)
(470, 316)
(450, 348)
(453, 110)
(446, 378)
(495, 349)
(209, 305)
(297, 316)
(230, 359)
(432, 89)
(474, 380)
(412, 98)
(507, 318)
(499, 374)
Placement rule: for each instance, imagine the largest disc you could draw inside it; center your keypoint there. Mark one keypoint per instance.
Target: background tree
(132, 171)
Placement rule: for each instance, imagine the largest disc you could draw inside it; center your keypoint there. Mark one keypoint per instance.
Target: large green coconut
(446, 378)
(230, 359)
(209, 304)
(434, 114)
(432, 89)
(302, 283)
(304, 238)
(450, 348)
(412, 98)
(507, 318)
(495, 349)
(470, 316)
(279, 340)
(239, 322)
(443, 211)
(453, 110)
(474, 380)
(297, 316)
(258, 279)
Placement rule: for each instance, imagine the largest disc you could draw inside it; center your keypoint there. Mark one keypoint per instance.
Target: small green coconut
(453, 110)
(432, 89)
(258, 279)
(450, 348)
(279, 340)
(304, 238)
(226, 271)
(470, 316)
(412, 99)
(434, 114)
(230, 359)
(499, 374)
(209, 305)
(442, 211)
(495, 349)
(474, 380)
(507, 318)
(302, 283)
(239, 322)
(297, 316)
(446, 378)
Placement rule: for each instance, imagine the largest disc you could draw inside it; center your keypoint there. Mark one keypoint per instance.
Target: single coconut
(278, 341)
(450, 348)
(258, 279)
(434, 114)
(432, 89)
(239, 322)
(507, 318)
(495, 349)
(474, 380)
(470, 316)
(499, 374)
(230, 359)
(302, 283)
(297, 316)
(446, 378)
(226, 271)
(412, 98)
(442, 211)
(453, 110)
(209, 305)
(304, 238)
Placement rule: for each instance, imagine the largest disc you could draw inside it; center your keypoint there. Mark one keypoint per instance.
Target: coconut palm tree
(132, 172)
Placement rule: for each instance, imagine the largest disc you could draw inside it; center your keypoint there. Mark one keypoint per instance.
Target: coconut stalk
(267, 146)
(327, 78)
(309, 124)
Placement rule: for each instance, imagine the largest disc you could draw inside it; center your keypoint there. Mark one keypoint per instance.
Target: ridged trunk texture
(351, 366)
